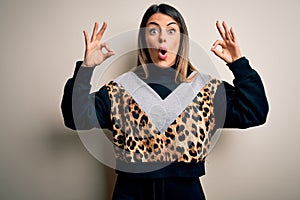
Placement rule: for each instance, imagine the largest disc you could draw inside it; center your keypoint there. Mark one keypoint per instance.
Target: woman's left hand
(230, 49)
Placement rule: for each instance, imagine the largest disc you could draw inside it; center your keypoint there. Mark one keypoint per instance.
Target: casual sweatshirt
(163, 127)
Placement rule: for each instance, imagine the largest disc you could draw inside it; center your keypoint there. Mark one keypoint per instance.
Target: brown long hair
(182, 59)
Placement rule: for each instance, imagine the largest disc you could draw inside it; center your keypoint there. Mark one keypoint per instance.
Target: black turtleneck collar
(160, 79)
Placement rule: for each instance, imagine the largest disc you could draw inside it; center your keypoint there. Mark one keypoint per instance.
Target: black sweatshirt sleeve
(82, 110)
(245, 104)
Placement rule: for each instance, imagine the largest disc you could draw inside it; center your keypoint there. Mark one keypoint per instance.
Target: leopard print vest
(148, 129)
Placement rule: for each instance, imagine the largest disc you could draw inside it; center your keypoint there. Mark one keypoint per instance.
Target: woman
(161, 143)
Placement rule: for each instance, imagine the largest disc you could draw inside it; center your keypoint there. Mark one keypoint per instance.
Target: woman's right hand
(93, 48)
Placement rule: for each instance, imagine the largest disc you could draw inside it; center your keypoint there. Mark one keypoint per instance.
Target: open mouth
(162, 53)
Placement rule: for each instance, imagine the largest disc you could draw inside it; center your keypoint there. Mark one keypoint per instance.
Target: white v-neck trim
(162, 112)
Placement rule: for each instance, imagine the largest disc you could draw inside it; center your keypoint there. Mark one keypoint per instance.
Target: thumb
(217, 52)
(109, 52)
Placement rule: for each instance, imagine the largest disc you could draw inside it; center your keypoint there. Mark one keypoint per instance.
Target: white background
(40, 42)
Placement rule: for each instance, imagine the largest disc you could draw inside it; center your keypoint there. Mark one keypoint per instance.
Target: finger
(95, 31)
(109, 53)
(86, 38)
(227, 33)
(233, 34)
(105, 45)
(102, 30)
(218, 42)
(220, 29)
(217, 52)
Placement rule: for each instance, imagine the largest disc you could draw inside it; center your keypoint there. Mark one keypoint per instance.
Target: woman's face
(162, 39)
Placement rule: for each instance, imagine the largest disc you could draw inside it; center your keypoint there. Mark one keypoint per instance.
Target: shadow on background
(93, 180)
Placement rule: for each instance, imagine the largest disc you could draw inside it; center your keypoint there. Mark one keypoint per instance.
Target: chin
(163, 63)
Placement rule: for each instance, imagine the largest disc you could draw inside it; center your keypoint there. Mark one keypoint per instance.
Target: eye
(153, 31)
(171, 31)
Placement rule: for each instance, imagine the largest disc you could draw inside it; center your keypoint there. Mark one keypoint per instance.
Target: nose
(162, 36)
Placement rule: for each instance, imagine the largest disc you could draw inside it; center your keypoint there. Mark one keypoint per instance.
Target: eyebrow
(154, 23)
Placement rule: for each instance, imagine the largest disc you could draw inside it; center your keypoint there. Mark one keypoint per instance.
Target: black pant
(158, 189)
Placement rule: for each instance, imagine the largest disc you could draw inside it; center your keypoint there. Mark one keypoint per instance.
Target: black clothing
(158, 188)
(246, 103)
(245, 106)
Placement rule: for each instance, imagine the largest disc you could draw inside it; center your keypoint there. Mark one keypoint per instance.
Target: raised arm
(82, 110)
(246, 103)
